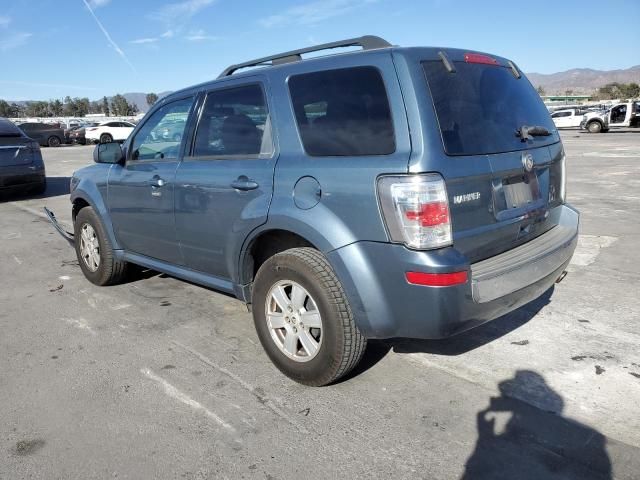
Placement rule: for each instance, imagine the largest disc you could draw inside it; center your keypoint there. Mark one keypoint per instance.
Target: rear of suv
(388, 192)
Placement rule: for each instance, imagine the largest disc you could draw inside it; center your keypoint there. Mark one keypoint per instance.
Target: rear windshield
(8, 129)
(480, 107)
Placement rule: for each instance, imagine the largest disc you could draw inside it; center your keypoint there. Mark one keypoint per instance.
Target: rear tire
(106, 138)
(53, 141)
(317, 355)
(594, 127)
(94, 251)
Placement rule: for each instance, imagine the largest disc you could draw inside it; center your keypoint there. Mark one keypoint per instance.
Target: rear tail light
(91, 129)
(416, 210)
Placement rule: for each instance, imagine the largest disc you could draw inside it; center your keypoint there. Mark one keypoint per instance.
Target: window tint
(234, 121)
(480, 107)
(161, 134)
(561, 114)
(343, 112)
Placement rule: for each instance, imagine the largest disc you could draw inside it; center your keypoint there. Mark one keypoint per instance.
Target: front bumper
(385, 305)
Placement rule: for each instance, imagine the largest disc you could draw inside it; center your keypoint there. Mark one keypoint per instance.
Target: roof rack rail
(367, 42)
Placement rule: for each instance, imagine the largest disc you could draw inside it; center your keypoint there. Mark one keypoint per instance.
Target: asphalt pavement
(158, 378)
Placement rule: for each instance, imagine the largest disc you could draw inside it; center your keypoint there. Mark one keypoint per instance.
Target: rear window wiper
(526, 132)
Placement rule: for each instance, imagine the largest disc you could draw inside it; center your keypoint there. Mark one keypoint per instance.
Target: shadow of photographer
(518, 440)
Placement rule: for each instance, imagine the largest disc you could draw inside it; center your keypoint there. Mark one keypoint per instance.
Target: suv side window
(234, 121)
(343, 112)
(151, 142)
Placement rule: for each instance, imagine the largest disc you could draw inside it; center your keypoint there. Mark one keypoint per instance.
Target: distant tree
(5, 109)
(82, 106)
(16, 111)
(56, 107)
(105, 106)
(121, 107)
(629, 90)
(37, 109)
(151, 98)
(70, 107)
(568, 92)
(541, 91)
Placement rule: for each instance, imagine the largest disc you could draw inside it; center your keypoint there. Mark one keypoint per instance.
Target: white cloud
(14, 41)
(199, 36)
(314, 12)
(178, 13)
(168, 34)
(140, 41)
(113, 44)
(4, 21)
(98, 3)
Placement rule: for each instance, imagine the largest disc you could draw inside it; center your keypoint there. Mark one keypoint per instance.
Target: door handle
(244, 183)
(157, 182)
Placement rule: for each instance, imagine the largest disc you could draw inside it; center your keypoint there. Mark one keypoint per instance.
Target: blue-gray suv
(384, 192)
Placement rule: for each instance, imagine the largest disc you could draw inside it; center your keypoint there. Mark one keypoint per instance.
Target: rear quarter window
(343, 112)
(480, 107)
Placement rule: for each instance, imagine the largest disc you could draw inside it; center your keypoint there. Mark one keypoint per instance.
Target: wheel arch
(87, 194)
(265, 243)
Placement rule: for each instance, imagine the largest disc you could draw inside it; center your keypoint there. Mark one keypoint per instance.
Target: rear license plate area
(520, 191)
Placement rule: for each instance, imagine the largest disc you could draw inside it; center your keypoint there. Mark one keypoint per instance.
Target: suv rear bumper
(385, 305)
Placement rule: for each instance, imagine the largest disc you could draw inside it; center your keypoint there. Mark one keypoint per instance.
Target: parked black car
(44, 134)
(77, 135)
(21, 164)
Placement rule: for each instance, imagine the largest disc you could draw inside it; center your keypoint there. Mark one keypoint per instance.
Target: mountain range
(582, 80)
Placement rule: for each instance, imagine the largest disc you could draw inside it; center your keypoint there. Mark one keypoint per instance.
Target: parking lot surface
(158, 378)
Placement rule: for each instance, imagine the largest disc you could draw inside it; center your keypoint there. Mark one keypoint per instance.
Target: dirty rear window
(480, 107)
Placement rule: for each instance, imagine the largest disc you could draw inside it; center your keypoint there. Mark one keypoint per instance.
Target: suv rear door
(225, 183)
(474, 106)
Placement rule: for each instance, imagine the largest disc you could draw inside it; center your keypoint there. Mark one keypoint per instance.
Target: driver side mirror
(108, 153)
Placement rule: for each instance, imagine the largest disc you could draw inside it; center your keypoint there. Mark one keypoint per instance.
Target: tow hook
(69, 237)
(561, 277)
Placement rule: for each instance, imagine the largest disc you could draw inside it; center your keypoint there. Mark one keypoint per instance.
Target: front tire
(106, 138)
(94, 251)
(594, 127)
(303, 318)
(53, 141)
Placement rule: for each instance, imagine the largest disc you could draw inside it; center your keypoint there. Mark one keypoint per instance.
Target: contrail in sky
(109, 39)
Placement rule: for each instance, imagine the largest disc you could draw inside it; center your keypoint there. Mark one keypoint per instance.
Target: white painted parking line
(247, 386)
(182, 397)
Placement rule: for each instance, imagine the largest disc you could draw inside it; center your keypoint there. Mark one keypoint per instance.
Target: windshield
(480, 108)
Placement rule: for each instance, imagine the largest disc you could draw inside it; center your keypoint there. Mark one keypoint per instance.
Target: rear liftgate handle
(244, 183)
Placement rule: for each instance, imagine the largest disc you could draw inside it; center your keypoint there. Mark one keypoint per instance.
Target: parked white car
(568, 118)
(108, 132)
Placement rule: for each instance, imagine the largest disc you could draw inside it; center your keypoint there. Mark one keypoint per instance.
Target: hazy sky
(52, 48)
